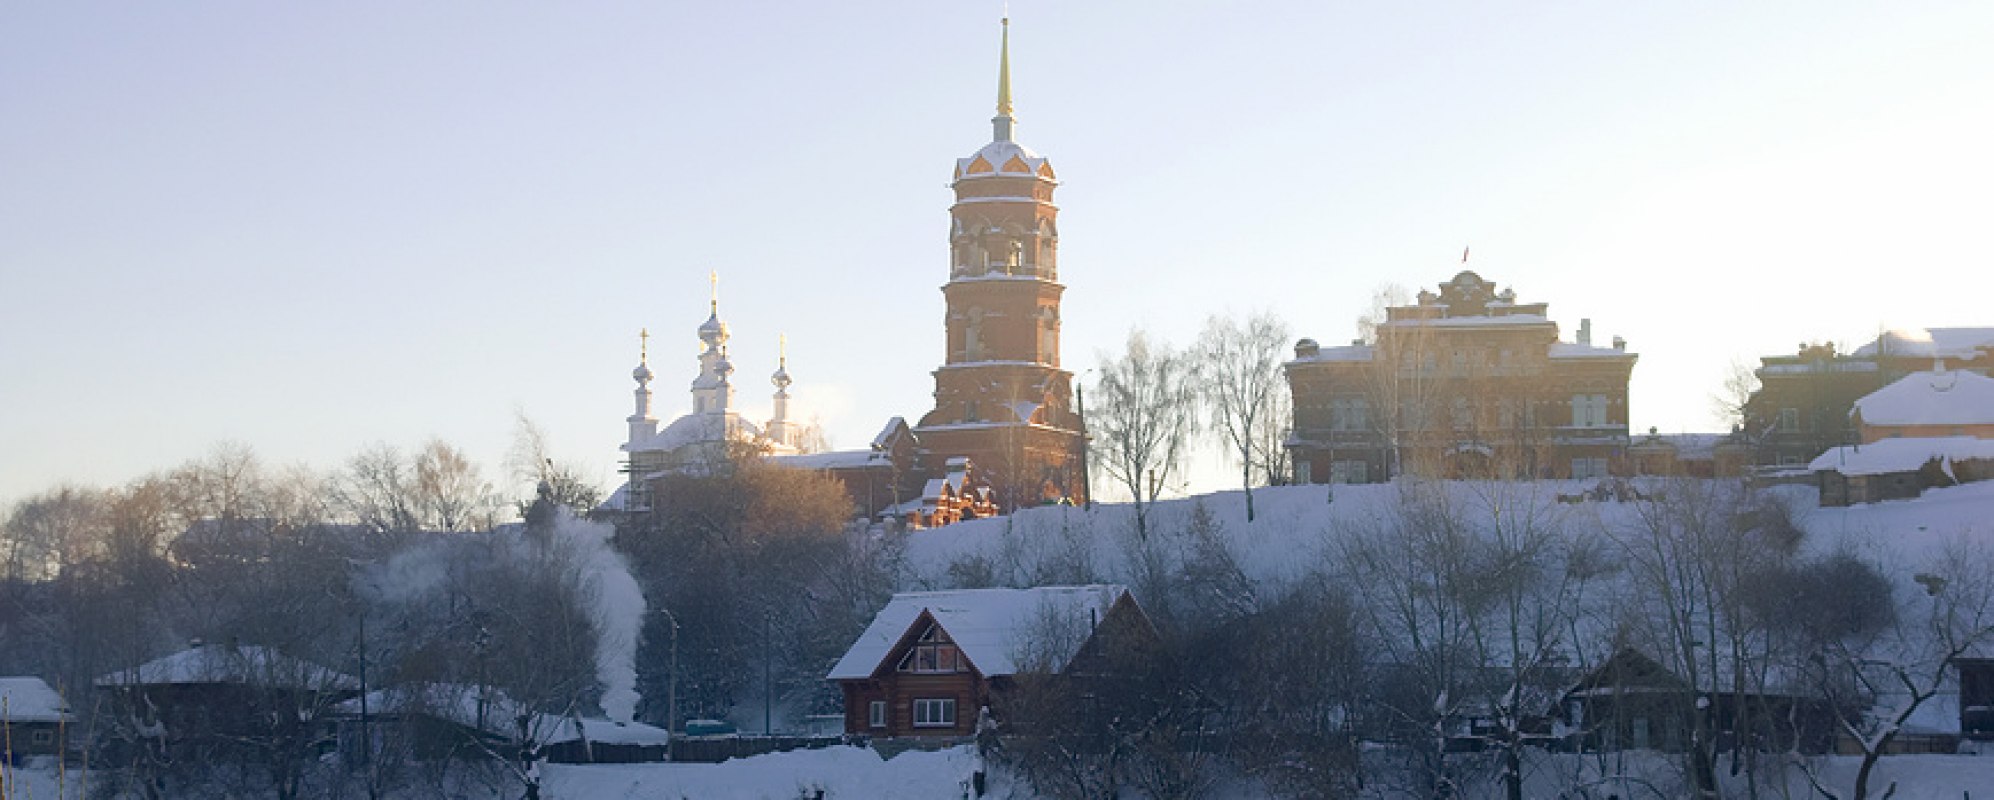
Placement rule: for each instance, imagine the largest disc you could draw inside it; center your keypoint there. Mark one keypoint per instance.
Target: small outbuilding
(33, 715)
(931, 660)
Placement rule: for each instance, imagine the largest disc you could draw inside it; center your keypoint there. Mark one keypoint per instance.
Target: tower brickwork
(1001, 397)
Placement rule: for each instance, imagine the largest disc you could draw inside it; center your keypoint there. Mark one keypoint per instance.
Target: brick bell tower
(1001, 398)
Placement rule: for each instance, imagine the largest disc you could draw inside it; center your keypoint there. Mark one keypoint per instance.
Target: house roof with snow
(995, 628)
(458, 703)
(220, 663)
(1949, 397)
(1907, 454)
(29, 699)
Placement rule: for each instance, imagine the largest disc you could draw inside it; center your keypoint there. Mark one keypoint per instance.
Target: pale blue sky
(313, 227)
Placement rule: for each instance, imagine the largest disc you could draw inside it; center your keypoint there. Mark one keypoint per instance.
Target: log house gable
(925, 631)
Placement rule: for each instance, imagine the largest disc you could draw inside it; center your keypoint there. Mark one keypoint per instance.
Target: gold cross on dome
(644, 345)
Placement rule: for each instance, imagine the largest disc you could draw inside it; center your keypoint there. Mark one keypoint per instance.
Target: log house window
(875, 714)
(933, 653)
(934, 713)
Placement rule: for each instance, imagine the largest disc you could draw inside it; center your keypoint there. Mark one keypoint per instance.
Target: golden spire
(781, 351)
(714, 278)
(1004, 71)
(644, 346)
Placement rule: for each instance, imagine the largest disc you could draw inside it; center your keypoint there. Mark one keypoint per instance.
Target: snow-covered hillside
(1296, 525)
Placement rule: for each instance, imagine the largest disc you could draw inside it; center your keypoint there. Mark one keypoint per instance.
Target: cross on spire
(644, 346)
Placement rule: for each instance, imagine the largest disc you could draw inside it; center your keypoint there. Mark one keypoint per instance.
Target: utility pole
(1086, 443)
(768, 687)
(672, 686)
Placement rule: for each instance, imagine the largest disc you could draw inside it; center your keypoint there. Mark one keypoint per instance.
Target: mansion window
(1348, 472)
(1584, 468)
(1789, 419)
(1464, 417)
(1588, 411)
(933, 653)
(934, 713)
(1347, 414)
(875, 714)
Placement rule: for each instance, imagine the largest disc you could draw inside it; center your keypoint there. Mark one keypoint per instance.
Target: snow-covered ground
(852, 773)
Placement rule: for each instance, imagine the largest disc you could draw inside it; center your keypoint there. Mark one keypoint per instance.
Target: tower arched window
(972, 336)
(1048, 325)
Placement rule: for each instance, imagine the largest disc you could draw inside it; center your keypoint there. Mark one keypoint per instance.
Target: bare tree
(1877, 682)
(1472, 590)
(1240, 368)
(1727, 404)
(377, 490)
(531, 461)
(1142, 417)
(450, 492)
(1382, 299)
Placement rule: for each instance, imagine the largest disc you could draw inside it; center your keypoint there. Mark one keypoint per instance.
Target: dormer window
(933, 653)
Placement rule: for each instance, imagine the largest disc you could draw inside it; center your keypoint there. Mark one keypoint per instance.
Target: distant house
(442, 720)
(1924, 430)
(1632, 702)
(221, 695)
(1898, 469)
(33, 715)
(1933, 404)
(1694, 455)
(931, 660)
(1804, 398)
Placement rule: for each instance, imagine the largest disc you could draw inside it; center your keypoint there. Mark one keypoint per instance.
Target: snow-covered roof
(887, 432)
(1469, 322)
(1901, 455)
(602, 731)
(1695, 445)
(29, 699)
(1818, 366)
(216, 663)
(458, 703)
(1352, 352)
(1952, 397)
(835, 459)
(1930, 343)
(993, 627)
(1575, 350)
(998, 155)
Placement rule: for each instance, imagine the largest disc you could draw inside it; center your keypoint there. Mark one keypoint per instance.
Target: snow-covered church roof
(994, 628)
(1949, 397)
(1003, 158)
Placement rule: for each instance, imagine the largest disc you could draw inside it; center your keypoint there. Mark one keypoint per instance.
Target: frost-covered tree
(1143, 415)
(1242, 384)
